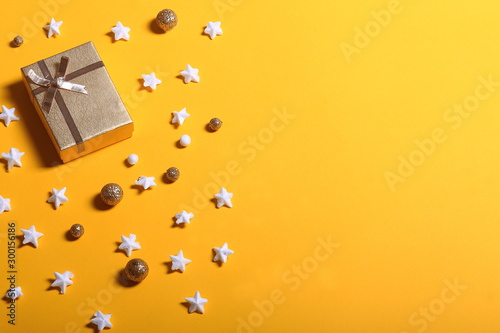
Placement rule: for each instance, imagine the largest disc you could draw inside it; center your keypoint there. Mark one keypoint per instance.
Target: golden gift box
(77, 102)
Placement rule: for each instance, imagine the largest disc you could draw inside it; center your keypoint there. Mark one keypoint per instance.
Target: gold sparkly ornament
(172, 174)
(166, 20)
(18, 41)
(215, 124)
(136, 270)
(77, 230)
(111, 194)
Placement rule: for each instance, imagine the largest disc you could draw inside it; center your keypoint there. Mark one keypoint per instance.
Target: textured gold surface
(215, 124)
(166, 19)
(136, 270)
(77, 230)
(18, 41)
(111, 194)
(172, 174)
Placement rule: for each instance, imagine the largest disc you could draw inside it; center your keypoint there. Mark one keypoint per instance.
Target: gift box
(77, 102)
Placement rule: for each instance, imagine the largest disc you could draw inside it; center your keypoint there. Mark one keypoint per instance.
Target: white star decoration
(129, 244)
(150, 80)
(8, 115)
(190, 74)
(58, 197)
(101, 320)
(196, 303)
(13, 157)
(31, 235)
(213, 29)
(221, 253)
(14, 293)
(183, 217)
(63, 280)
(224, 198)
(53, 28)
(4, 204)
(145, 182)
(120, 31)
(179, 262)
(179, 116)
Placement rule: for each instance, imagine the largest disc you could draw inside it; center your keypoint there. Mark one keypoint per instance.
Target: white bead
(132, 159)
(185, 140)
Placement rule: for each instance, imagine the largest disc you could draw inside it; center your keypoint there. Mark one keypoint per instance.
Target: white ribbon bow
(60, 83)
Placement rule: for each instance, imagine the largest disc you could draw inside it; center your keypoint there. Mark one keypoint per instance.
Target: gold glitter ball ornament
(77, 230)
(136, 270)
(215, 124)
(172, 174)
(18, 41)
(166, 19)
(111, 194)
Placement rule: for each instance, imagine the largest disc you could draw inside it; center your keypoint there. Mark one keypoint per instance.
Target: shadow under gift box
(77, 123)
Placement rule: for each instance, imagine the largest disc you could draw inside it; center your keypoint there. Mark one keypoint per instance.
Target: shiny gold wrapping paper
(100, 116)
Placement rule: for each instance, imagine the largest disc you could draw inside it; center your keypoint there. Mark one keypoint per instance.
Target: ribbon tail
(37, 79)
(48, 99)
(72, 87)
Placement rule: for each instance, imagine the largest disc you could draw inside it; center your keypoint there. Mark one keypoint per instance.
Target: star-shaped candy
(221, 253)
(120, 31)
(31, 235)
(14, 293)
(129, 244)
(101, 320)
(224, 198)
(58, 197)
(4, 205)
(63, 280)
(53, 28)
(150, 80)
(196, 303)
(13, 157)
(8, 115)
(145, 182)
(190, 74)
(179, 116)
(183, 217)
(213, 29)
(179, 262)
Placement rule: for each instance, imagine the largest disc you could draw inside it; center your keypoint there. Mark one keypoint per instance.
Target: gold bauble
(136, 270)
(111, 194)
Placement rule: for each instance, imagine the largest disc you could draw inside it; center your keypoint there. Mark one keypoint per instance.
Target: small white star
(53, 28)
(179, 262)
(120, 31)
(58, 197)
(31, 235)
(179, 116)
(101, 320)
(14, 293)
(13, 157)
(145, 182)
(8, 115)
(63, 280)
(221, 253)
(129, 244)
(224, 198)
(213, 29)
(4, 205)
(183, 217)
(150, 80)
(190, 74)
(196, 303)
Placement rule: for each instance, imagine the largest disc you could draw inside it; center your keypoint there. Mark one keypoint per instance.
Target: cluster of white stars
(128, 244)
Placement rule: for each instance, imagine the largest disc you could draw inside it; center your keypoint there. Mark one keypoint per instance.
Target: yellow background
(319, 177)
